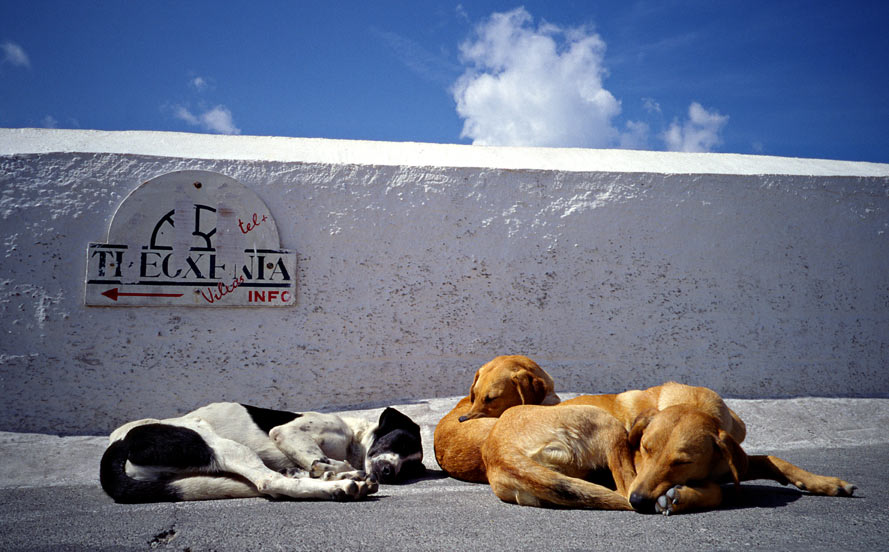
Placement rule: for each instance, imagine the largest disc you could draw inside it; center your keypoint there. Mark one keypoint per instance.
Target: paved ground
(51, 498)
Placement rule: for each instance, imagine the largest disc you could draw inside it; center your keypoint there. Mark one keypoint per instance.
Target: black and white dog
(231, 450)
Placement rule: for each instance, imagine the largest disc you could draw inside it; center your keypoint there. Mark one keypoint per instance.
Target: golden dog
(504, 382)
(684, 441)
(542, 456)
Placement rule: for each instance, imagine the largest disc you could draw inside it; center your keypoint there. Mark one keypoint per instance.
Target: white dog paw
(320, 467)
(354, 475)
(666, 503)
(294, 473)
(369, 486)
(347, 490)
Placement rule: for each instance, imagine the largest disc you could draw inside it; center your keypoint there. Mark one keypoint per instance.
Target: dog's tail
(126, 490)
(528, 483)
(123, 488)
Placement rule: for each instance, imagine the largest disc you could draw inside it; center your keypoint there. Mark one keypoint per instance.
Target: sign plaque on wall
(191, 238)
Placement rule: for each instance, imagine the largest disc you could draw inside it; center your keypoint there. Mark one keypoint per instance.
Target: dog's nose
(462, 418)
(642, 504)
(385, 474)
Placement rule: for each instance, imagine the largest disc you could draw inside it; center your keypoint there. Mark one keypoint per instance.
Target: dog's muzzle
(642, 504)
(384, 471)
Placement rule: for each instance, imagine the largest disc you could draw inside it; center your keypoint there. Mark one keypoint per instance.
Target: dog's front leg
(302, 448)
(683, 498)
(233, 457)
(782, 471)
(620, 462)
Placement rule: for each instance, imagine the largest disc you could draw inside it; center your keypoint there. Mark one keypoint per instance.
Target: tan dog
(504, 382)
(629, 405)
(541, 456)
(508, 381)
(686, 441)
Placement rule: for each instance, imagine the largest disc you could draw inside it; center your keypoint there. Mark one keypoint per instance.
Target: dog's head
(396, 451)
(504, 382)
(677, 446)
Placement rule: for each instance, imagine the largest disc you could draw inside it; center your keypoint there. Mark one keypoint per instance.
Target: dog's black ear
(638, 428)
(391, 420)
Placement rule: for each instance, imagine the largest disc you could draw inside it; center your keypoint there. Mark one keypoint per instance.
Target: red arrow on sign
(113, 294)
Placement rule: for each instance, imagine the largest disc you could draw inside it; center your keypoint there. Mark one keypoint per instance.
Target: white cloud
(699, 133)
(461, 13)
(49, 122)
(183, 113)
(650, 105)
(219, 119)
(198, 83)
(527, 86)
(14, 55)
(426, 64)
(635, 136)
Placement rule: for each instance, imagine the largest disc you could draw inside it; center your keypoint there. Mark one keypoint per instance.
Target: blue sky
(800, 79)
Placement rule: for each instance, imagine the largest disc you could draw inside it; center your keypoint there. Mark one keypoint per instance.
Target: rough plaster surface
(412, 276)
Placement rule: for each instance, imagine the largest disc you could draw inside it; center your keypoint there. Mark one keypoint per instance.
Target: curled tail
(123, 488)
(523, 481)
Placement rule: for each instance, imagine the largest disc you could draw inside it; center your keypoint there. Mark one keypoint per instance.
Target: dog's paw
(294, 473)
(369, 486)
(320, 467)
(346, 491)
(354, 475)
(668, 502)
(828, 486)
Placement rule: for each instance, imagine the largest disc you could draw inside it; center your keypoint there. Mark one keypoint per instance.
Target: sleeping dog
(502, 383)
(230, 450)
(668, 449)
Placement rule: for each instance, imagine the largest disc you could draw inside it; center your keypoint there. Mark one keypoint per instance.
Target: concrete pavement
(52, 501)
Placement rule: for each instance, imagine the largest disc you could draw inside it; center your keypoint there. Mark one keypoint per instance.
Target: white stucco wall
(757, 276)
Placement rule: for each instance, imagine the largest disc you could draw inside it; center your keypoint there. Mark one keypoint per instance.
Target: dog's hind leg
(210, 487)
(782, 471)
(233, 457)
(536, 485)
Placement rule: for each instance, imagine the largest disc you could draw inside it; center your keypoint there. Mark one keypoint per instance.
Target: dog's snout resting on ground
(682, 455)
(504, 382)
(678, 445)
(230, 450)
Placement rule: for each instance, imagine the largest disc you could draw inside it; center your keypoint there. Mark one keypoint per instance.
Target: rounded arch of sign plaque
(191, 238)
